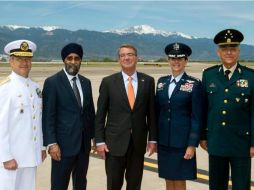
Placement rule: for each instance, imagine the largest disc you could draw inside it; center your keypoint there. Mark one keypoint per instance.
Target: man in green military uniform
(228, 134)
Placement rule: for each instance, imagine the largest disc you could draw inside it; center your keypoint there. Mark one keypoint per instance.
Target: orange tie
(131, 95)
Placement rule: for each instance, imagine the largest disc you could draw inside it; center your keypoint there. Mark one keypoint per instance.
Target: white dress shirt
(70, 77)
(172, 85)
(232, 69)
(134, 79)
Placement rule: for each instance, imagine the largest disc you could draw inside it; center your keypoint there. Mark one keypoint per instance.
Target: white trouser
(20, 179)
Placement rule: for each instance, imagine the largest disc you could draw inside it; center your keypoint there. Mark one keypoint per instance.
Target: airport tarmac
(96, 173)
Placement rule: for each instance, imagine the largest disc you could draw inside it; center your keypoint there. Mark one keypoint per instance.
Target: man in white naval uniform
(21, 147)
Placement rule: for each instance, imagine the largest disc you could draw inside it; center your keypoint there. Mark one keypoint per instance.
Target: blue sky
(196, 18)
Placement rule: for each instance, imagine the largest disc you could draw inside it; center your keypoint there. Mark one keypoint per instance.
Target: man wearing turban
(68, 121)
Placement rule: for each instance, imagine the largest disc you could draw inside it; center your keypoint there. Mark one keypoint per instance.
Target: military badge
(38, 91)
(176, 46)
(212, 85)
(242, 83)
(24, 46)
(246, 100)
(160, 86)
(187, 87)
(237, 100)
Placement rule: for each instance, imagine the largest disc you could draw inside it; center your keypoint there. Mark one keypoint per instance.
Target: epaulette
(164, 77)
(194, 78)
(248, 68)
(212, 67)
(4, 80)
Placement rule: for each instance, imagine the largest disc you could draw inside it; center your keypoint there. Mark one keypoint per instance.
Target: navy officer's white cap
(24, 48)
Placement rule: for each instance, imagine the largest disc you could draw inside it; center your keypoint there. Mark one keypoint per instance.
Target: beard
(72, 69)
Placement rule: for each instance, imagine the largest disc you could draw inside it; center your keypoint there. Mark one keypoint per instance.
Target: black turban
(72, 48)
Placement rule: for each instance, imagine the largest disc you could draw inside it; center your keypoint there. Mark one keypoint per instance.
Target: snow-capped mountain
(46, 28)
(146, 29)
(99, 45)
(49, 28)
(15, 27)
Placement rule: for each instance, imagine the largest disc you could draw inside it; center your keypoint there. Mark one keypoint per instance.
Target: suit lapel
(84, 90)
(221, 76)
(120, 85)
(141, 81)
(236, 75)
(167, 86)
(67, 86)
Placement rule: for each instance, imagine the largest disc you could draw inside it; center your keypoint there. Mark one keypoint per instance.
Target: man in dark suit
(68, 121)
(125, 115)
(229, 132)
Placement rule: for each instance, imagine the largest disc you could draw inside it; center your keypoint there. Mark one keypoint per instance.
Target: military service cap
(228, 37)
(24, 48)
(177, 50)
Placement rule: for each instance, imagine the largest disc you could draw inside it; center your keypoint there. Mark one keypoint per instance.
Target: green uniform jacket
(229, 122)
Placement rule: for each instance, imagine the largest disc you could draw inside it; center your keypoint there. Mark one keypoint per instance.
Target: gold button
(223, 123)
(225, 101)
(224, 112)
(226, 90)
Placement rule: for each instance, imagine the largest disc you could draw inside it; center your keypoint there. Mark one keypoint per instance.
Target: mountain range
(100, 45)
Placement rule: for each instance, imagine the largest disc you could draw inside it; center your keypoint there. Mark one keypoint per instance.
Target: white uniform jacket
(20, 121)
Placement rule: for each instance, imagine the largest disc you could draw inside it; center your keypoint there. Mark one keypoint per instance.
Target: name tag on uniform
(242, 83)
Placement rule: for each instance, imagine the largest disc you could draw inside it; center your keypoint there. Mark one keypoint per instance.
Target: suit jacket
(115, 122)
(180, 117)
(63, 120)
(20, 121)
(230, 111)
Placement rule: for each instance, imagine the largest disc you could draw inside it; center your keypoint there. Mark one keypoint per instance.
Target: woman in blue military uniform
(179, 109)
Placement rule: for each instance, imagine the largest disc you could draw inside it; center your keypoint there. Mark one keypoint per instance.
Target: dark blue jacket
(180, 117)
(63, 121)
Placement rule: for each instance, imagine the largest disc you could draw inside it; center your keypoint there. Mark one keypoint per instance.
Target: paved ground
(96, 173)
(97, 178)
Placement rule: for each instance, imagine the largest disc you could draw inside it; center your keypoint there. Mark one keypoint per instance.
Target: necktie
(131, 95)
(227, 72)
(171, 88)
(76, 91)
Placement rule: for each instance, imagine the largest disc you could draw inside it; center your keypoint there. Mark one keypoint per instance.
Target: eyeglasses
(71, 58)
(127, 55)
